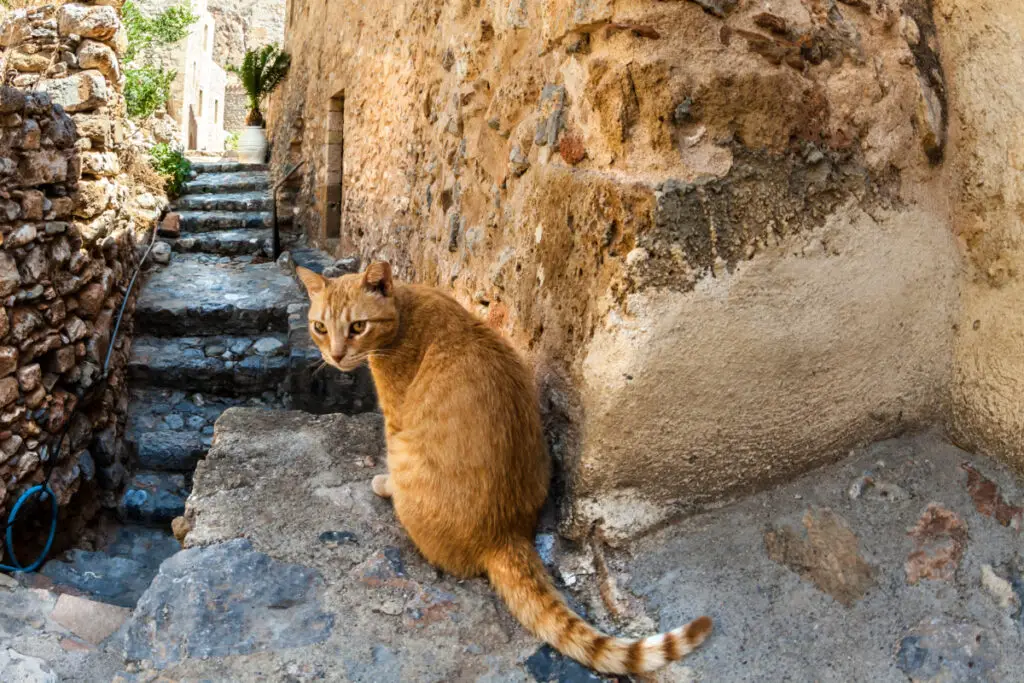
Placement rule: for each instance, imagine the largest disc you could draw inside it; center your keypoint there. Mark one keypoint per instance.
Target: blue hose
(42, 490)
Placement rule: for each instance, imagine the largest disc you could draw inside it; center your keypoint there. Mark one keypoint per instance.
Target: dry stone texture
(718, 230)
(69, 248)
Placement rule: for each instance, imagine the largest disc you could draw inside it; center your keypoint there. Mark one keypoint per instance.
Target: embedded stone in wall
(100, 164)
(24, 60)
(100, 22)
(79, 92)
(96, 55)
(43, 167)
(96, 127)
(93, 197)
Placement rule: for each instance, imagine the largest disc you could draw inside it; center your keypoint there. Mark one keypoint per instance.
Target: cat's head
(352, 316)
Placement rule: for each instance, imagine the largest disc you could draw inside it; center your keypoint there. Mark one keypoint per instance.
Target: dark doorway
(335, 166)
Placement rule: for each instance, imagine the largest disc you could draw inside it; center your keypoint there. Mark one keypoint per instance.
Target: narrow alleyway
(211, 332)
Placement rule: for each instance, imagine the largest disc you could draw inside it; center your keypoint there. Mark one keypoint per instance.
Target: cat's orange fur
(468, 465)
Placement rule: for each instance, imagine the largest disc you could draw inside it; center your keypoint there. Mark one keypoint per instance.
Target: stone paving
(203, 296)
(904, 562)
(228, 242)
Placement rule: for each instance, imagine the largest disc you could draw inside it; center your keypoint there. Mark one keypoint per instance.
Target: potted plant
(261, 71)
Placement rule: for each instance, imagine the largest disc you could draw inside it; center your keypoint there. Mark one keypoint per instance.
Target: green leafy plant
(231, 141)
(170, 26)
(146, 89)
(261, 71)
(171, 163)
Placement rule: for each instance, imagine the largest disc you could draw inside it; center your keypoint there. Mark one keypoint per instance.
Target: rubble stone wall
(69, 215)
(718, 230)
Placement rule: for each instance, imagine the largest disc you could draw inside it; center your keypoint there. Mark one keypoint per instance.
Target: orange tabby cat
(467, 462)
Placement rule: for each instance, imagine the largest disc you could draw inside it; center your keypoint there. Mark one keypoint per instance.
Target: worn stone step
(224, 201)
(208, 221)
(195, 295)
(168, 451)
(243, 181)
(153, 498)
(119, 571)
(172, 429)
(227, 242)
(208, 364)
(225, 167)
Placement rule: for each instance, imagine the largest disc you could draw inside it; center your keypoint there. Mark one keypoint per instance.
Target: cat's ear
(377, 278)
(314, 282)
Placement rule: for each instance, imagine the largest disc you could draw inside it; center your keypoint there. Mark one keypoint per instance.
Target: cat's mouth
(348, 364)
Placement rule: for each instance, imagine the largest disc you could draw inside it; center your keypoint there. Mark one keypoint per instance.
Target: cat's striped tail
(519, 577)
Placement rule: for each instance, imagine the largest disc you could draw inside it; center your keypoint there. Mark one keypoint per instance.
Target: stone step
(153, 498)
(227, 242)
(243, 181)
(228, 366)
(172, 430)
(224, 201)
(225, 167)
(209, 221)
(195, 295)
(119, 571)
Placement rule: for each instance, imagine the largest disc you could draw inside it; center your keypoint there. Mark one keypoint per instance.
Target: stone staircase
(211, 333)
(220, 325)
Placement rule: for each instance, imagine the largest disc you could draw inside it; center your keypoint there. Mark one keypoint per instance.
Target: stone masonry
(69, 222)
(719, 231)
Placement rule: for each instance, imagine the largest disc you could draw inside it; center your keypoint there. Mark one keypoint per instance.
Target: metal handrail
(277, 186)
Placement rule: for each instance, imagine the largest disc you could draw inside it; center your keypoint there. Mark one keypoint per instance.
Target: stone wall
(720, 231)
(983, 55)
(69, 215)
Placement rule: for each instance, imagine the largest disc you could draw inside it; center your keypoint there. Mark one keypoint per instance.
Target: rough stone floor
(901, 563)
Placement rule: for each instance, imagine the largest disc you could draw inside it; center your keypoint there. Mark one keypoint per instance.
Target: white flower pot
(252, 145)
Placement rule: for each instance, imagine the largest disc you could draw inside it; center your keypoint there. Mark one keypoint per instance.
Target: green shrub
(146, 89)
(231, 142)
(171, 163)
(168, 27)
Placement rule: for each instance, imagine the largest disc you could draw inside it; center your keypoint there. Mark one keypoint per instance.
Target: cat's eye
(319, 327)
(358, 327)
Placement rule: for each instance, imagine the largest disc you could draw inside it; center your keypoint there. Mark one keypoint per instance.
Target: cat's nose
(337, 357)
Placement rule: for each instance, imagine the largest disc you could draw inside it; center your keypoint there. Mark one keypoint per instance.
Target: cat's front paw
(382, 486)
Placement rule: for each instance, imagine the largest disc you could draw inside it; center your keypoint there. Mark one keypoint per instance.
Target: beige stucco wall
(729, 257)
(983, 55)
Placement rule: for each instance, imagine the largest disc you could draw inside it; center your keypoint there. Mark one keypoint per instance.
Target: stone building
(207, 101)
(197, 101)
(734, 240)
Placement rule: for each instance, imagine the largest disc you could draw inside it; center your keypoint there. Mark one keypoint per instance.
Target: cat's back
(464, 348)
